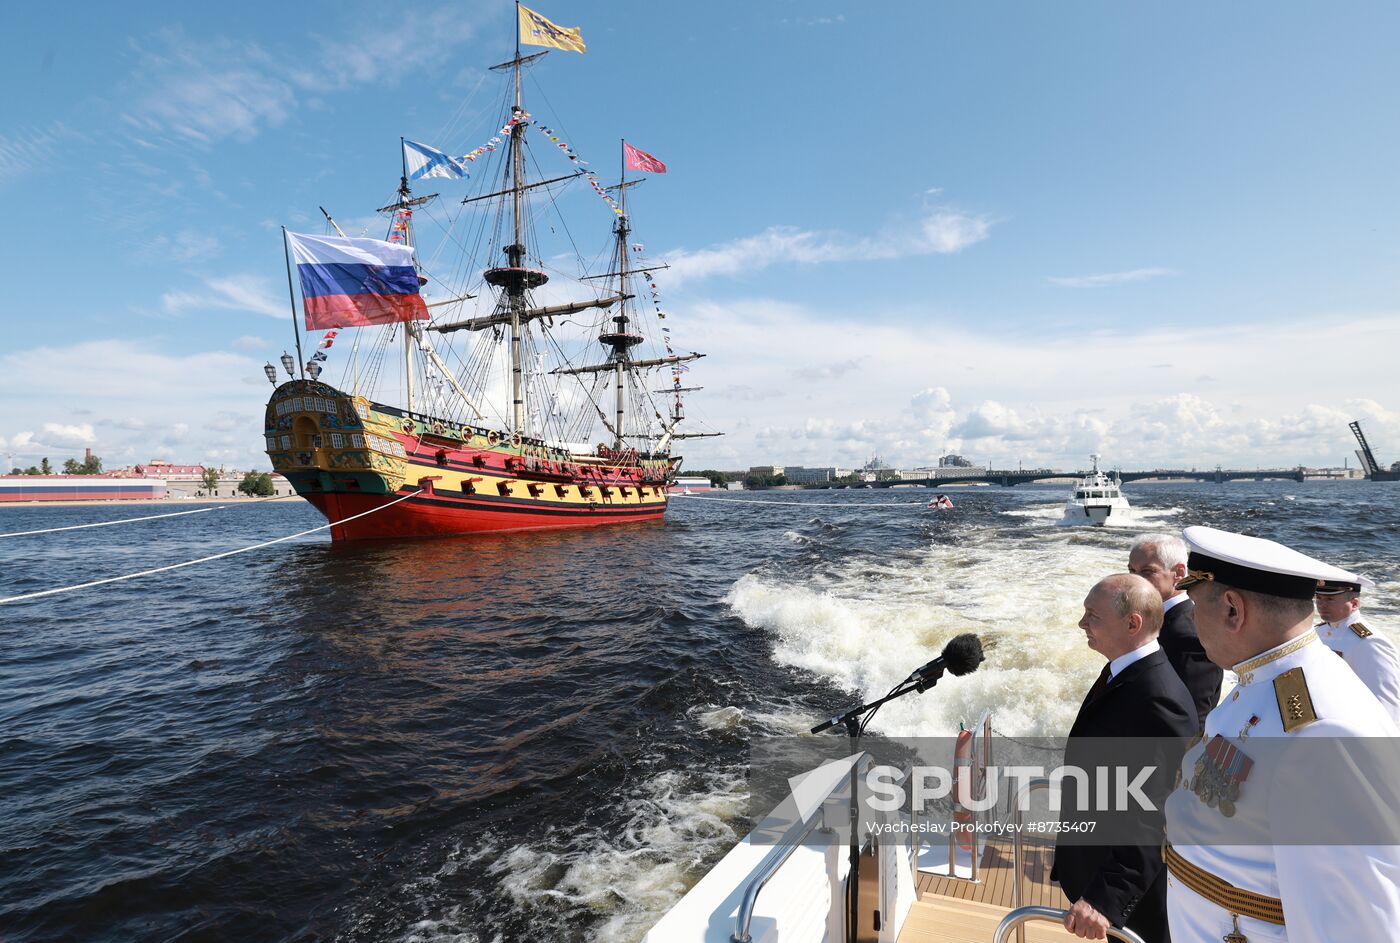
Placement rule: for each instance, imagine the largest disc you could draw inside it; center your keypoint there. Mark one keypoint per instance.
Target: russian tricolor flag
(354, 282)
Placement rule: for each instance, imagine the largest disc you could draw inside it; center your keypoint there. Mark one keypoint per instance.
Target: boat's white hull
(1096, 515)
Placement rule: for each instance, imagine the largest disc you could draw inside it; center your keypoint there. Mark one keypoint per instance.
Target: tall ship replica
(517, 405)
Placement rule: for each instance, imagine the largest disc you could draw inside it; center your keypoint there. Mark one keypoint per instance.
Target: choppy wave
(865, 625)
(526, 737)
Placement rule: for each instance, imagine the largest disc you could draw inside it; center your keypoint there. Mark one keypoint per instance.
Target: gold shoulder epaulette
(1360, 630)
(1295, 704)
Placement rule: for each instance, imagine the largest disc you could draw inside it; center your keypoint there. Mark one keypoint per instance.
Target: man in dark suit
(1140, 702)
(1161, 560)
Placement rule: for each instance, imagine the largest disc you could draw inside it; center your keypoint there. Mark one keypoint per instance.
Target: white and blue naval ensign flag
(424, 161)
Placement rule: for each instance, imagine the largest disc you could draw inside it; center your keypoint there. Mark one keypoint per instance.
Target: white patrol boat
(1097, 499)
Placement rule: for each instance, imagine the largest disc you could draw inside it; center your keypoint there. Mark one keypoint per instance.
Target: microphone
(960, 656)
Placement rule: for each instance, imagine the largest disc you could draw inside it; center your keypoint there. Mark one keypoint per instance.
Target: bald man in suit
(1138, 699)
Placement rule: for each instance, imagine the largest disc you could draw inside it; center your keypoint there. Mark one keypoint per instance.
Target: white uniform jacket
(1345, 891)
(1370, 654)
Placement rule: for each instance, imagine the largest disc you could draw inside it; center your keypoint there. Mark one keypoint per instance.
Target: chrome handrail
(1022, 915)
(1016, 877)
(769, 868)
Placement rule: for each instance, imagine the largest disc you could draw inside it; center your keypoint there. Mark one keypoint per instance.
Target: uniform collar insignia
(1246, 669)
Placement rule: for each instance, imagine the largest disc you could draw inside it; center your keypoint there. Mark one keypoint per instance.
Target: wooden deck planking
(946, 920)
(996, 878)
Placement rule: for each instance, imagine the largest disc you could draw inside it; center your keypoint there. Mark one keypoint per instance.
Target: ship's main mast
(514, 279)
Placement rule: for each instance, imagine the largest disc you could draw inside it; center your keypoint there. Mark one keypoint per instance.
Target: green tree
(92, 465)
(210, 479)
(45, 468)
(257, 484)
(72, 466)
(717, 478)
(32, 470)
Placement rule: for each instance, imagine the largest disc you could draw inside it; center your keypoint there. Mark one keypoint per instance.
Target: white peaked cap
(1253, 563)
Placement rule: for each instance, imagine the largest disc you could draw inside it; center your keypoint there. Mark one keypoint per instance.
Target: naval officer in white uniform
(1233, 874)
(1371, 655)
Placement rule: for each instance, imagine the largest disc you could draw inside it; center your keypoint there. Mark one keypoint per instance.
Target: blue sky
(1023, 231)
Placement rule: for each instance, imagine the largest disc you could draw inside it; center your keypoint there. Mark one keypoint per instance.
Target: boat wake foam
(865, 623)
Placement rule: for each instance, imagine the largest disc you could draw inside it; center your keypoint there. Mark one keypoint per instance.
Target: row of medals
(1214, 788)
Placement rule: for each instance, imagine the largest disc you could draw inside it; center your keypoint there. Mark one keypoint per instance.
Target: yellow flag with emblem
(535, 30)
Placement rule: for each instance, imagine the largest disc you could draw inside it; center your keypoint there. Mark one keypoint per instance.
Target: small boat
(1097, 498)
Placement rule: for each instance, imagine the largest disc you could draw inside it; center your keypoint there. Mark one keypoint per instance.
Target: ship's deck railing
(1018, 918)
(770, 867)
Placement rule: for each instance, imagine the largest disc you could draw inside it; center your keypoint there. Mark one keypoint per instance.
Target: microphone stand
(854, 722)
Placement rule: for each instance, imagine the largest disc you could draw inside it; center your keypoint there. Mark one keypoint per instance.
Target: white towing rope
(125, 520)
(217, 556)
(133, 520)
(803, 504)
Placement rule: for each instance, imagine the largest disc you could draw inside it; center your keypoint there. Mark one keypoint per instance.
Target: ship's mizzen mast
(620, 340)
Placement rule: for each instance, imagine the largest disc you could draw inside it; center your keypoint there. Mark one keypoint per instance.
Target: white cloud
(924, 388)
(828, 371)
(232, 293)
(205, 91)
(1109, 278)
(196, 405)
(187, 245)
(60, 434)
(939, 231)
(421, 42)
(249, 342)
(28, 149)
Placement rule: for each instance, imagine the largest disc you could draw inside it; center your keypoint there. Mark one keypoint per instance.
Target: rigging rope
(133, 520)
(217, 556)
(125, 520)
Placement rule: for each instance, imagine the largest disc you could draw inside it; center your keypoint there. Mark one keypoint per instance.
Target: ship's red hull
(438, 515)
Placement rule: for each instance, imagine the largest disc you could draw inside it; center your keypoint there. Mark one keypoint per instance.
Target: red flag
(641, 160)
